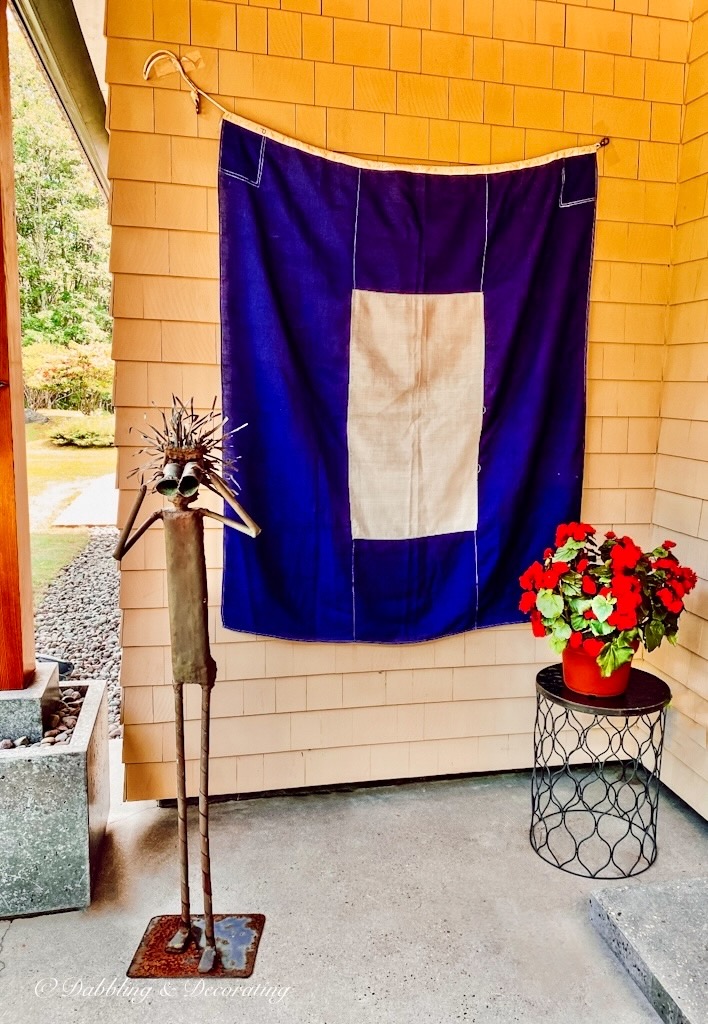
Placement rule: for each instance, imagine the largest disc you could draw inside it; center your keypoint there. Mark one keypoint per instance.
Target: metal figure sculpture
(184, 456)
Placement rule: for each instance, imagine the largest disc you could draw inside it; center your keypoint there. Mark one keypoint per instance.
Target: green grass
(51, 551)
(48, 464)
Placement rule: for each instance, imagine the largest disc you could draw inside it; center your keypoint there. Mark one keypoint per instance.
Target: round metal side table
(595, 782)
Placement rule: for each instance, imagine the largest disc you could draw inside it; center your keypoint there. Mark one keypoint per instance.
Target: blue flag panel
(408, 349)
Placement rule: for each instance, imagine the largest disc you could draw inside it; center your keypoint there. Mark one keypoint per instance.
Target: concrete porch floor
(416, 903)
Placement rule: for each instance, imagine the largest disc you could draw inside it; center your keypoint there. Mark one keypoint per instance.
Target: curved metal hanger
(194, 91)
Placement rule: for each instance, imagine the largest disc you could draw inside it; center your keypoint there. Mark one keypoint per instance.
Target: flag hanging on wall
(407, 346)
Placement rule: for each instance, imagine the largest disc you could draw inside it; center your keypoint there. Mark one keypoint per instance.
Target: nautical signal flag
(407, 345)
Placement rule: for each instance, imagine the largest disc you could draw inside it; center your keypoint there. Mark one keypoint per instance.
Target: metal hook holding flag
(194, 91)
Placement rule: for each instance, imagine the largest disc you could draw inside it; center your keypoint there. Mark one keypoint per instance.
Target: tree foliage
(63, 236)
(69, 376)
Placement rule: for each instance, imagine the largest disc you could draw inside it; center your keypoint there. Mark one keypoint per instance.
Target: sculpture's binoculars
(177, 480)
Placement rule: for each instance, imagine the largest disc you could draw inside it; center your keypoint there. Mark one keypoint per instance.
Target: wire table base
(596, 775)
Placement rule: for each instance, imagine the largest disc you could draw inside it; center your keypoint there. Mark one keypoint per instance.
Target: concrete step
(660, 935)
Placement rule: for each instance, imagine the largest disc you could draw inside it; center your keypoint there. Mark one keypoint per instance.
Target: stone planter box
(53, 812)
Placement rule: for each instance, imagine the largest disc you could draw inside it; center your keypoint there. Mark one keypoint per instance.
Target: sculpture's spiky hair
(186, 436)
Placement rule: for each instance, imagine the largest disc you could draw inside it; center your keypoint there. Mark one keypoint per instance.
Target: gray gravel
(78, 619)
(59, 725)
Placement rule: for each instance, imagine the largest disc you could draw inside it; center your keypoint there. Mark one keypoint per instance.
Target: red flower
(688, 577)
(627, 592)
(666, 563)
(625, 554)
(623, 619)
(641, 590)
(551, 576)
(578, 531)
(624, 582)
(669, 600)
(531, 579)
(622, 585)
(562, 534)
(537, 626)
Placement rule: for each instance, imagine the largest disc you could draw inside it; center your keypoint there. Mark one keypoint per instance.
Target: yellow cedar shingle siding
(439, 80)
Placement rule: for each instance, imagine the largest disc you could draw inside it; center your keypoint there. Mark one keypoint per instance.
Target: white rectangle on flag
(416, 394)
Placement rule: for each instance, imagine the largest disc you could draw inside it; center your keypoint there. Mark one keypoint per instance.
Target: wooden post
(16, 619)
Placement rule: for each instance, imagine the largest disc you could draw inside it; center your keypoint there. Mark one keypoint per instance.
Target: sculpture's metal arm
(230, 522)
(220, 487)
(124, 544)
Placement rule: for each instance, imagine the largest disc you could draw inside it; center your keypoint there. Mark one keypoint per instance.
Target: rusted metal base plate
(237, 937)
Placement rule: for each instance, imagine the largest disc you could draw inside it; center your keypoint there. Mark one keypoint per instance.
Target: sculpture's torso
(187, 597)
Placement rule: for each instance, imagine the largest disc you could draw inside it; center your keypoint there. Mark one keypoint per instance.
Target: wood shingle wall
(681, 503)
(439, 80)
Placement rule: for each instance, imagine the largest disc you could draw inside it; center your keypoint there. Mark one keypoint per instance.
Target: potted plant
(596, 602)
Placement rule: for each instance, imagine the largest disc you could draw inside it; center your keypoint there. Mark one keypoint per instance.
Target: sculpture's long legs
(209, 955)
(182, 937)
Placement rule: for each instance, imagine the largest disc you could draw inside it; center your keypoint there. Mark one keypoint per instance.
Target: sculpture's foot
(180, 940)
(208, 960)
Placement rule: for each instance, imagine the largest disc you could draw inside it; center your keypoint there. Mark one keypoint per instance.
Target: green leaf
(612, 656)
(606, 660)
(601, 628)
(549, 604)
(578, 622)
(628, 636)
(602, 607)
(558, 644)
(623, 654)
(654, 634)
(561, 629)
(569, 550)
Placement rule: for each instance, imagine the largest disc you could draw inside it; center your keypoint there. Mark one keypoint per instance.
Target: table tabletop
(645, 694)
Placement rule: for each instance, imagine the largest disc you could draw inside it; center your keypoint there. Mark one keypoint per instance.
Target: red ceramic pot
(581, 673)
